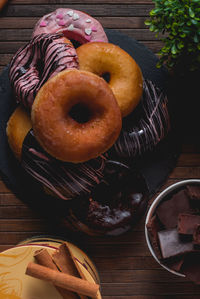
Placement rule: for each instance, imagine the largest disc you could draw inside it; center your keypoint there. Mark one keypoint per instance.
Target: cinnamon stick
(44, 259)
(63, 280)
(80, 273)
(63, 260)
(65, 263)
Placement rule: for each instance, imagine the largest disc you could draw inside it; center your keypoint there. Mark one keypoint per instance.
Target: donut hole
(81, 113)
(106, 76)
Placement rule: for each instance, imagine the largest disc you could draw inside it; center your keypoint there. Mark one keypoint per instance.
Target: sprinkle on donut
(42, 58)
(75, 25)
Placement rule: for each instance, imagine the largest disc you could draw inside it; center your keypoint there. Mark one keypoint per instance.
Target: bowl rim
(151, 211)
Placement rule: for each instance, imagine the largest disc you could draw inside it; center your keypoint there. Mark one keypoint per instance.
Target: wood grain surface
(126, 267)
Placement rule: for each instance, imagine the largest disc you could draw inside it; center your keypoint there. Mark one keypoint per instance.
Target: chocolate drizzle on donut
(42, 58)
(114, 205)
(146, 126)
(64, 180)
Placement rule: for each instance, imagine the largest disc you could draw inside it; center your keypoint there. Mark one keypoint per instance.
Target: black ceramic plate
(155, 166)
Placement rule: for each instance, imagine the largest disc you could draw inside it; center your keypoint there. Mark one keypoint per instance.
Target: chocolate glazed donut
(42, 58)
(146, 126)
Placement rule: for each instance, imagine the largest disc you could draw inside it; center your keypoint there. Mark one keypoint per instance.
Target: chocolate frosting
(146, 126)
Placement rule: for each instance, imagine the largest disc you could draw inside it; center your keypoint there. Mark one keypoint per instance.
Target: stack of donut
(67, 129)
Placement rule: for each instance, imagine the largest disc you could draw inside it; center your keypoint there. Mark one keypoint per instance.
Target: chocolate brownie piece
(169, 210)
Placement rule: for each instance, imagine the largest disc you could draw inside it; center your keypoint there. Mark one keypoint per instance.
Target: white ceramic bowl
(151, 212)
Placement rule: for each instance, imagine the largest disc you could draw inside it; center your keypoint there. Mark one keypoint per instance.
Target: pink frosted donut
(75, 25)
(42, 58)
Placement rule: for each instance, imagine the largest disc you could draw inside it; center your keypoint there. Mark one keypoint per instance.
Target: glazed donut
(17, 128)
(75, 25)
(125, 77)
(42, 58)
(68, 135)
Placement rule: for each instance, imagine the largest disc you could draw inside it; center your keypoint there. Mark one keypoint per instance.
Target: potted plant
(178, 21)
(178, 24)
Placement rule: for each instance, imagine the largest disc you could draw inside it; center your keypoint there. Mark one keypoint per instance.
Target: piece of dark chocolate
(175, 263)
(153, 226)
(196, 235)
(193, 192)
(187, 223)
(191, 267)
(171, 244)
(169, 210)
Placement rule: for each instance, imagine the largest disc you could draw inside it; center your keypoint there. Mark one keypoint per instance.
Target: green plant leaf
(182, 35)
(191, 13)
(173, 49)
(147, 22)
(196, 39)
(180, 45)
(152, 27)
(194, 22)
(152, 13)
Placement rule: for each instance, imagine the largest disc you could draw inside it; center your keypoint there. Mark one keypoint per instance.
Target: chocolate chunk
(169, 210)
(196, 235)
(171, 244)
(193, 192)
(175, 263)
(191, 267)
(153, 226)
(187, 223)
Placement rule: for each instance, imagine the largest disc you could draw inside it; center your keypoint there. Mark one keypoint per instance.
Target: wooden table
(126, 267)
